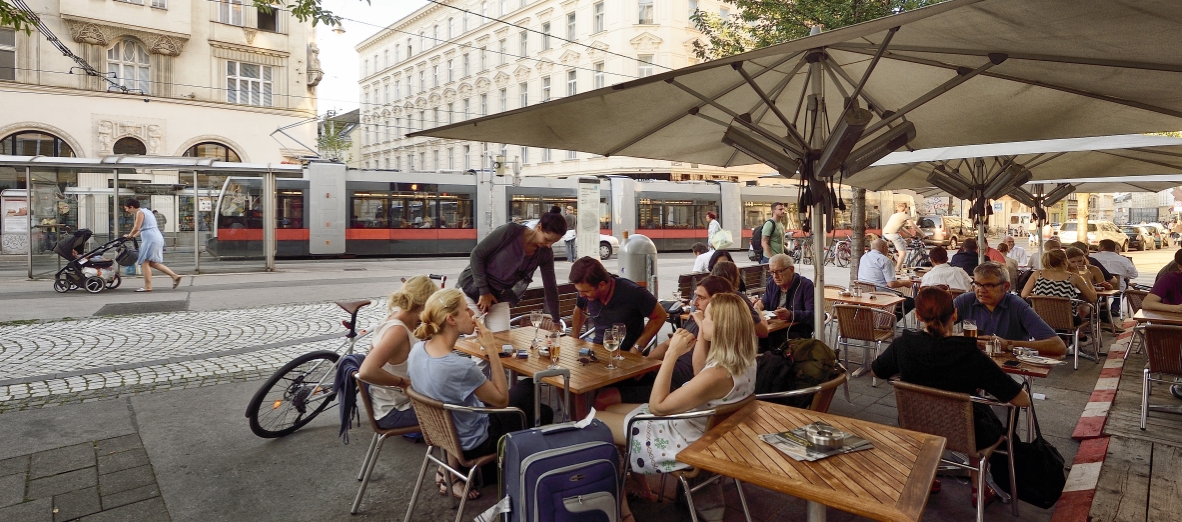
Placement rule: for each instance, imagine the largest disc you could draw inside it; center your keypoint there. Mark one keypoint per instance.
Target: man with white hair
(1017, 253)
(877, 268)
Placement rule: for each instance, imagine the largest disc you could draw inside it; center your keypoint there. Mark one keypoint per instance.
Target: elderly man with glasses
(998, 312)
(790, 296)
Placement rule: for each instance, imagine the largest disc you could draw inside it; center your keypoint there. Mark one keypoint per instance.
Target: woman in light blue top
(151, 246)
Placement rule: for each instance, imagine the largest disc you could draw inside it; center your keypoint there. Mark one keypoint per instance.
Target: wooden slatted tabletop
(583, 379)
(888, 482)
(879, 301)
(1024, 369)
(1155, 317)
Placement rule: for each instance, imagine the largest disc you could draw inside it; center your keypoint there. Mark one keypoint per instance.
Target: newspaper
(795, 443)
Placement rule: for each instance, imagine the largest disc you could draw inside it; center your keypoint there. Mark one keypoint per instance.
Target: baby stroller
(89, 270)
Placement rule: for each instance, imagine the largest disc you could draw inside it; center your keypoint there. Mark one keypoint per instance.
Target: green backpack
(796, 364)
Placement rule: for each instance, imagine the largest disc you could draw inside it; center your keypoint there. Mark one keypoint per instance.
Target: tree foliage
(760, 23)
(303, 10)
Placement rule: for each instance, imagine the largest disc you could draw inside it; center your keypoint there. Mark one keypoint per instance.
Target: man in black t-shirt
(606, 300)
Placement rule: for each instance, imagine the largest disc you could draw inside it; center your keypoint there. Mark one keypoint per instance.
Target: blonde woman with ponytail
(385, 364)
(438, 372)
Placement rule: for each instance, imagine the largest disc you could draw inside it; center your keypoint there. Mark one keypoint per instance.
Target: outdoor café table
(1027, 371)
(1156, 317)
(878, 301)
(890, 481)
(584, 379)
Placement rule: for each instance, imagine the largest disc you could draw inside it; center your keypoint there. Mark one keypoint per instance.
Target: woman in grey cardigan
(502, 266)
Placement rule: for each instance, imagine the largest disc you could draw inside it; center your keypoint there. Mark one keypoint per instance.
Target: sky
(338, 57)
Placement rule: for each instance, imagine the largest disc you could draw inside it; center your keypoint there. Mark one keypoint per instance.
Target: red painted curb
(1074, 506)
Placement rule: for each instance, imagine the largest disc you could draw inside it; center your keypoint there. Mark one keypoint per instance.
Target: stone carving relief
(249, 34)
(596, 50)
(544, 66)
(421, 103)
(465, 89)
(569, 57)
(521, 74)
(501, 79)
(434, 100)
(482, 85)
(645, 41)
(108, 130)
(315, 74)
(89, 32)
(449, 95)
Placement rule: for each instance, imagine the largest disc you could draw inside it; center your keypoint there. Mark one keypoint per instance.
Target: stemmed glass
(535, 318)
(554, 344)
(612, 344)
(621, 332)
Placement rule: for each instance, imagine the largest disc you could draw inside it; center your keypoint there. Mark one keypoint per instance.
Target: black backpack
(756, 251)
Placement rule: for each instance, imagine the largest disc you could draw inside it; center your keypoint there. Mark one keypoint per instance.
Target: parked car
(943, 230)
(1138, 237)
(1161, 236)
(607, 244)
(1097, 230)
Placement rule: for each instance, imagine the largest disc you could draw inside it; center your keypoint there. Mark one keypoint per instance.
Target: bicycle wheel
(293, 395)
(843, 257)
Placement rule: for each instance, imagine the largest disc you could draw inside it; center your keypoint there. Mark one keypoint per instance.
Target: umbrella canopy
(964, 71)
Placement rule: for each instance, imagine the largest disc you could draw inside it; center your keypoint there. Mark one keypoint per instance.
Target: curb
(1076, 502)
(1095, 413)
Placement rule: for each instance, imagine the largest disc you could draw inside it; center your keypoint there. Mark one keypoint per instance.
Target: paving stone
(12, 490)
(14, 465)
(127, 479)
(35, 511)
(58, 484)
(131, 458)
(151, 510)
(60, 460)
(115, 500)
(82, 502)
(117, 444)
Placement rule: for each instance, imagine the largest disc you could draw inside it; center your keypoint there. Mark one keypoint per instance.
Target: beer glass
(554, 342)
(970, 328)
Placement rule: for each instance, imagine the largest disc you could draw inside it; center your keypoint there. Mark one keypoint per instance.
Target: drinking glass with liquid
(554, 342)
(969, 327)
(612, 344)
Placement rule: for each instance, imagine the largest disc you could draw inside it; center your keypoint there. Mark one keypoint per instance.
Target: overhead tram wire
(53, 39)
(437, 2)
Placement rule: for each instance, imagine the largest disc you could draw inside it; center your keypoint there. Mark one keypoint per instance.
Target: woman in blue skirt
(151, 245)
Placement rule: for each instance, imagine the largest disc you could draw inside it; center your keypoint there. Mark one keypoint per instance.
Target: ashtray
(845, 294)
(825, 437)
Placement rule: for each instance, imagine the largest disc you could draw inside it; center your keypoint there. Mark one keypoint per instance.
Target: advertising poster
(14, 225)
(587, 217)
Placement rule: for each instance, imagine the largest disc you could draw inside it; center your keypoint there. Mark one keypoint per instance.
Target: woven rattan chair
(1056, 311)
(375, 445)
(439, 431)
(547, 323)
(1163, 356)
(941, 287)
(1134, 298)
(830, 317)
(863, 286)
(950, 415)
(867, 325)
(822, 393)
(713, 416)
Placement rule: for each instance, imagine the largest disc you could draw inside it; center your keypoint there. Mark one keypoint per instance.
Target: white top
(1117, 264)
(895, 222)
(1019, 254)
(876, 268)
(388, 398)
(714, 227)
(946, 274)
(702, 262)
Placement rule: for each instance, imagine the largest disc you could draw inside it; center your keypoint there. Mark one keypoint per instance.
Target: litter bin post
(638, 261)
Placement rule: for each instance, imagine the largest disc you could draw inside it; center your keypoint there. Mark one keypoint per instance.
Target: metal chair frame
(1057, 312)
(1129, 296)
(375, 444)
(1163, 356)
(822, 393)
(715, 416)
(873, 331)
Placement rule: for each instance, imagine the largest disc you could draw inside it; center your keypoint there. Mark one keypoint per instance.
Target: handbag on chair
(1039, 467)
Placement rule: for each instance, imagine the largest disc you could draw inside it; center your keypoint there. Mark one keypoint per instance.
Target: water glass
(621, 331)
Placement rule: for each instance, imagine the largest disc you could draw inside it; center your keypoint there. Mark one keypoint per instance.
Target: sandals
(473, 494)
(176, 281)
(143, 290)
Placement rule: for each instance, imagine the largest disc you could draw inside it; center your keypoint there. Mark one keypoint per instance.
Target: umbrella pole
(818, 224)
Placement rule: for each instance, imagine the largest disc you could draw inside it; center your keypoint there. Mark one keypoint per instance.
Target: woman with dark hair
(727, 270)
(936, 359)
(152, 247)
(502, 266)
(723, 255)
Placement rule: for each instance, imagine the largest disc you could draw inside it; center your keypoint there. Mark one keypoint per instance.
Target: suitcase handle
(565, 373)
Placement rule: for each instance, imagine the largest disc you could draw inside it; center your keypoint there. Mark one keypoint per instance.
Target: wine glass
(535, 319)
(621, 332)
(677, 295)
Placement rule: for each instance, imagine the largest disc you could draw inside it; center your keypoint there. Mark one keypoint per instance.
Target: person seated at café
(728, 271)
(790, 296)
(943, 273)
(1055, 279)
(966, 259)
(1047, 246)
(938, 359)
(1166, 295)
(438, 372)
(1172, 266)
(1017, 253)
(1010, 263)
(1077, 262)
(878, 268)
(390, 344)
(722, 255)
(728, 376)
(993, 254)
(607, 299)
(1000, 313)
(702, 259)
(1108, 276)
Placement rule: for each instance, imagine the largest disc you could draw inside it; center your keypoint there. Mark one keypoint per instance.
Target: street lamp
(338, 28)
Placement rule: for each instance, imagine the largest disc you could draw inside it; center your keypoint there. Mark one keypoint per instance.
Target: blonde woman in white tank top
(385, 364)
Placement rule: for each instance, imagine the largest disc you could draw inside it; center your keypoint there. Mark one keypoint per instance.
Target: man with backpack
(770, 236)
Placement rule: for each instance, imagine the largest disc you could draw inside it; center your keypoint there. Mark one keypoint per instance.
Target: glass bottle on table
(612, 344)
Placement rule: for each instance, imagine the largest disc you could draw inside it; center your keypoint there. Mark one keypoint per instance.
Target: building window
(464, 22)
(598, 17)
(230, 12)
(422, 81)
(503, 45)
(7, 54)
(467, 108)
(523, 45)
(570, 155)
(435, 76)
(397, 127)
(422, 41)
(572, 86)
(466, 68)
(598, 76)
(724, 13)
(646, 65)
(386, 130)
(397, 162)
(214, 150)
(386, 88)
(483, 59)
(451, 28)
(645, 15)
(397, 89)
(451, 71)
(397, 51)
(162, 4)
(504, 100)
(467, 157)
(423, 159)
(410, 162)
(451, 159)
(484, 105)
(483, 13)
(129, 61)
(546, 89)
(693, 7)
(524, 90)
(435, 157)
(410, 48)
(35, 144)
(385, 58)
(546, 36)
(451, 112)
(435, 35)
(248, 84)
(570, 27)
(545, 154)
(524, 155)
(129, 146)
(422, 120)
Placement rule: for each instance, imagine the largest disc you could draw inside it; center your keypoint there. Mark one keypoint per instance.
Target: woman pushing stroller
(152, 246)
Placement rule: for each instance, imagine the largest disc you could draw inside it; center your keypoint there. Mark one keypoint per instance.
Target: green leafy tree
(332, 143)
(304, 10)
(760, 23)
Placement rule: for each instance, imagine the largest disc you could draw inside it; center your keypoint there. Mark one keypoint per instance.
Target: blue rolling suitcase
(561, 472)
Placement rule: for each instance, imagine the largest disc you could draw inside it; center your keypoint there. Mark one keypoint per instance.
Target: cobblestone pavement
(106, 357)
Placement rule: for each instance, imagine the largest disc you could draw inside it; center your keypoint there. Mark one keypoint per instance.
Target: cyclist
(896, 226)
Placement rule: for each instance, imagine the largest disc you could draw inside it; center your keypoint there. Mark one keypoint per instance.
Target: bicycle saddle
(353, 306)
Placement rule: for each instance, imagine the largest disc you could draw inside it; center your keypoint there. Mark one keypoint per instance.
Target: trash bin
(638, 261)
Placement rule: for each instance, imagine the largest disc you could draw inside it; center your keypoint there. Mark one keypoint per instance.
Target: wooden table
(888, 482)
(879, 301)
(1024, 369)
(1156, 317)
(583, 379)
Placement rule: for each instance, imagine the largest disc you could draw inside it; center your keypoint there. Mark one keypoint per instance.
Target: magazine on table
(798, 443)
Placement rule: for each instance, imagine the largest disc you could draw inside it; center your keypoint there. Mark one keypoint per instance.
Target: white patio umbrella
(955, 73)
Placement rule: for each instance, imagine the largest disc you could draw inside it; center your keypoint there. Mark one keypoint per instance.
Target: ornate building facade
(468, 58)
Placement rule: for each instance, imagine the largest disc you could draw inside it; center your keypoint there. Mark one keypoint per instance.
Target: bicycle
(917, 254)
(301, 389)
(839, 252)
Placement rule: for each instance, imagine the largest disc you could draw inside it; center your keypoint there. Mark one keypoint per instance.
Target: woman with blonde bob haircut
(728, 377)
(438, 372)
(385, 365)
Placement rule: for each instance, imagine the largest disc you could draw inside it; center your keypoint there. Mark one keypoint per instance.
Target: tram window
(674, 214)
(524, 207)
(393, 209)
(756, 213)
